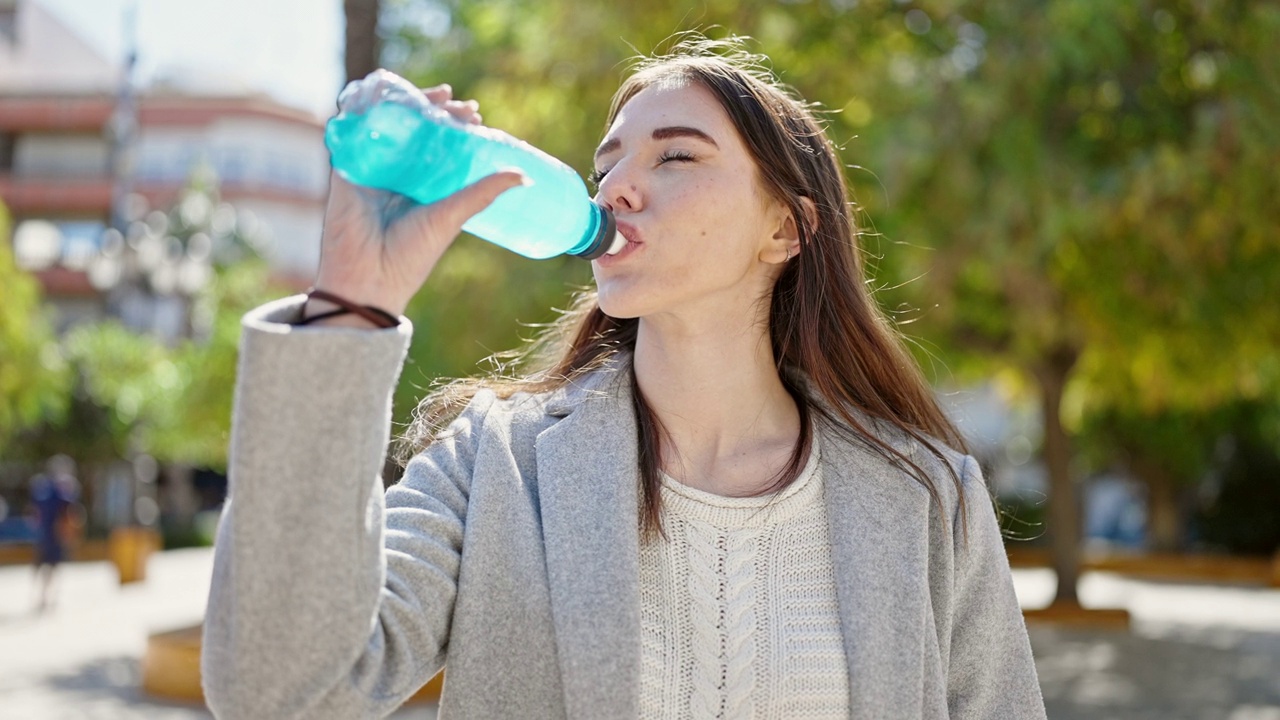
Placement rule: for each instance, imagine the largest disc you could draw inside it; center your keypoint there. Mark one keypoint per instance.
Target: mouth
(629, 232)
(634, 243)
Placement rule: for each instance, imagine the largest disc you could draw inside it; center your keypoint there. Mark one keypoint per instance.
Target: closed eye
(670, 155)
(597, 176)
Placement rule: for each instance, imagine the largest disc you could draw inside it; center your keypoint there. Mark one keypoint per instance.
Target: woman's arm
(298, 558)
(309, 616)
(991, 673)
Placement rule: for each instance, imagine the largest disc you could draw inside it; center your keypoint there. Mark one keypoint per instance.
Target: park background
(1069, 207)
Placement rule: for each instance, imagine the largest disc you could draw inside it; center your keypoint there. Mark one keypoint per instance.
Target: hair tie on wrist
(377, 316)
(320, 316)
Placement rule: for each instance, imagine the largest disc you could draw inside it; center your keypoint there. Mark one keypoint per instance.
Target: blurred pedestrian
(728, 492)
(55, 494)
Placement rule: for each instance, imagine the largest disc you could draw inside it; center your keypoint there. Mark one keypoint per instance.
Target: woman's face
(687, 195)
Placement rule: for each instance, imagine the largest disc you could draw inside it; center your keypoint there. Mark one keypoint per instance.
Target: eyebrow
(663, 133)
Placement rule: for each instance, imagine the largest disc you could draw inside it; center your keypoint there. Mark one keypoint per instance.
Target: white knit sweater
(738, 607)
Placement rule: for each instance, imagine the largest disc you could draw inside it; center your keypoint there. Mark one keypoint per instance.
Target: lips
(629, 232)
(634, 243)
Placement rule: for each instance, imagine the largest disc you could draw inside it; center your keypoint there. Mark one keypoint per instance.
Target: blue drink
(403, 143)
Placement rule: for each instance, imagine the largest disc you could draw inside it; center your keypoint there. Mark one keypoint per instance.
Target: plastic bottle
(387, 135)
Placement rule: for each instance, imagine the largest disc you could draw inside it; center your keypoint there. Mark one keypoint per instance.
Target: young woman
(727, 493)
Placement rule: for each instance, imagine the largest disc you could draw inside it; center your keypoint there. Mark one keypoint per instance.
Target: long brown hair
(835, 350)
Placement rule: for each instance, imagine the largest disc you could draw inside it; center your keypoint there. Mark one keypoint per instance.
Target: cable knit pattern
(739, 617)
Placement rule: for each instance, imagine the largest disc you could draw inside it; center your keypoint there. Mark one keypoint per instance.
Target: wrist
(373, 297)
(328, 308)
(316, 312)
(346, 321)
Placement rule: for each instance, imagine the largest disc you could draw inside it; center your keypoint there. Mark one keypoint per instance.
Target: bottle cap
(619, 242)
(607, 239)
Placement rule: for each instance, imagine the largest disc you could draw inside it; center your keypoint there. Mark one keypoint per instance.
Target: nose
(619, 189)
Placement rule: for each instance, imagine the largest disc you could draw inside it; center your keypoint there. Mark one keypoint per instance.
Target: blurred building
(61, 159)
(86, 159)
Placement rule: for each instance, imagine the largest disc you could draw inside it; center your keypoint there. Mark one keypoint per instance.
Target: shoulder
(893, 451)
(516, 417)
(489, 412)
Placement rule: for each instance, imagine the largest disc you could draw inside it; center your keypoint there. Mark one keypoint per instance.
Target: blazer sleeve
(319, 607)
(991, 673)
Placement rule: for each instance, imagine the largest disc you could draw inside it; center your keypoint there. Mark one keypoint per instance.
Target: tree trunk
(1162, 506)
(362, 44)
(1064, 506)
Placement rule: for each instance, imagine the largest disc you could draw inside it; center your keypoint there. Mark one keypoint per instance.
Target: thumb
(460, 206)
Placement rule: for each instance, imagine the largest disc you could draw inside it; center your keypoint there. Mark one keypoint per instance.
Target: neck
(730, 423)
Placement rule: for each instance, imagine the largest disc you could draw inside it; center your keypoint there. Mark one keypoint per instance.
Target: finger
(359, 95)
(460, 206)
(462, 109)
(439, 94)
(476, 119)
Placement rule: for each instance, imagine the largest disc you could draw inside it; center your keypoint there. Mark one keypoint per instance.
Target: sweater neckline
(755, 511)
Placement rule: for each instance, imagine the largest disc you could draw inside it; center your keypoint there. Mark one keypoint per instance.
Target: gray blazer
(510, 552)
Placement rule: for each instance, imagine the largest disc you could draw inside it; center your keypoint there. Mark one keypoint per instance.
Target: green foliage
(132, 378)
(1100, 182)
(545, 71)
(196, 426)
(32, 371)
(1179, 443)
(123, 392)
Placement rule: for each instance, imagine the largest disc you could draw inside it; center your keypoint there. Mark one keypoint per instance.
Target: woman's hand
(378, 247)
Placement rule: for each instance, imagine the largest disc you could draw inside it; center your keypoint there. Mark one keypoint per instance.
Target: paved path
(80, 661)
(1195, 652)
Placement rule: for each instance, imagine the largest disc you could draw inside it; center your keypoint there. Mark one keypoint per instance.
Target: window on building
(40, 243)
(58, 155)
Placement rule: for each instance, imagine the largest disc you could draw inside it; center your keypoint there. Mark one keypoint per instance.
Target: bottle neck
(599, 235)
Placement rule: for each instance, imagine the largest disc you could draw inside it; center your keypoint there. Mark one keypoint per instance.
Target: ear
(785, 242)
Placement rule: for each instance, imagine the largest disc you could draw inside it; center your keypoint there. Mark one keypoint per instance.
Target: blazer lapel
(588, 489)
(878, 519)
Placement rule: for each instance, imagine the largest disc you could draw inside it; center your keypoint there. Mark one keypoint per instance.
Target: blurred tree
(1170, 450)
(1096, 183)
(196, 424)
(128, 392)
(1242, 514)
(32, 371)
(124, 385)
(1229, 455)
(197, 429)
(362, 47)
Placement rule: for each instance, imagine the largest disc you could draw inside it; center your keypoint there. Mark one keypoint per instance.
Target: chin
(617, 310)
(620, 302)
